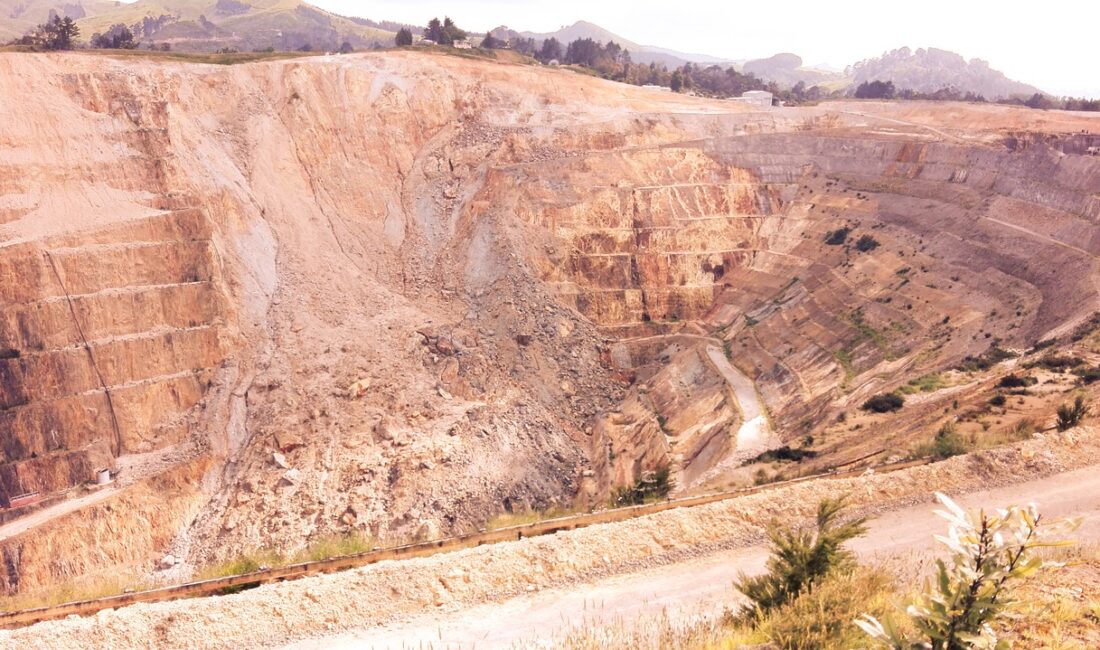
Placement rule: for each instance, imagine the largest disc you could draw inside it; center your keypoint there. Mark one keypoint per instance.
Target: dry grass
(323, 548)
(72, 591)
(527, 517)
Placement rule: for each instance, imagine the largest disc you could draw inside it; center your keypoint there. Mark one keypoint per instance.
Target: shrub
(986, 360)
(997, 400)
(1070, 415)
(785, 453)
(990, 552)
(824, 618)
(866, 244)
(650, 487)
(884, 403)
(1059, 362)
(1088, 375)
(801, 558)
(1015, 381)
(837, 237)
(948, 443)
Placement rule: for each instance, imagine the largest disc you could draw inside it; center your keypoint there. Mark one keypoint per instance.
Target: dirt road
(755, 434)
(697, 586)
(39, 517)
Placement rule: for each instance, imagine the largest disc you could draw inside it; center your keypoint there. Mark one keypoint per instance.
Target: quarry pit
(399, 294)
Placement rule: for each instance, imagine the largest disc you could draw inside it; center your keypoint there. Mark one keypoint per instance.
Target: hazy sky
(1051, 44)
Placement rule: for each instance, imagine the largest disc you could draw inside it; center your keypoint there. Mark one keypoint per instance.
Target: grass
(84, 588)
(844, 358)
(322, 548)
(526, 517)
(926, 384)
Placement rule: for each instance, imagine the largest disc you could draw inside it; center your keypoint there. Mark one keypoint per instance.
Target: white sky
(1051, 44)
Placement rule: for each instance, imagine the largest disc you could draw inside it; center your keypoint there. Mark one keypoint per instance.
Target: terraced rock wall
(109, 341)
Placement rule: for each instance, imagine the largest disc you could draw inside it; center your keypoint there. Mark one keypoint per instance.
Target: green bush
(1070, 415)
(649, 488)
(1015, 381)
(866, 244)
(972, 590)
(800, 558)
(948, 442)
(884, 403)
(986, 360)
(1088, 375)
(837, 237)
(997, 400)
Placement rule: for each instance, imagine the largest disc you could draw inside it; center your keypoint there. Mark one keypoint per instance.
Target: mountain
(19, 16)
(639, 53)
(928, 70)
(787, 70)
(203, 25)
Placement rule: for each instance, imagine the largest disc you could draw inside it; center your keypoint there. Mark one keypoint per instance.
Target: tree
(404, 37)
(989, 553)
(491, 42)
(434, 31)
(57, 33)
(876, 90)
(801, 558)
(551, 50)
(677, 81)
(118, 37)
(346, 48)
(1039, 100)
(450, 32)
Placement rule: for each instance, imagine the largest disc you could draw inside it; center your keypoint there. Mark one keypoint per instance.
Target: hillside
(204, 25)
(19, 16)
(928, 70)
(787, 70)
(639, 53)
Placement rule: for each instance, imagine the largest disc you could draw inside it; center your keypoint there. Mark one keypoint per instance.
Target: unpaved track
(39, 517)
(697, 586)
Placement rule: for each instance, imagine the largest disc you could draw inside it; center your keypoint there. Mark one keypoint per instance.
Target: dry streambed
(392, 591)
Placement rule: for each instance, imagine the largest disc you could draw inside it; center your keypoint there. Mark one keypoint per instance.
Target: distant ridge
(638, 53)
(929, 70)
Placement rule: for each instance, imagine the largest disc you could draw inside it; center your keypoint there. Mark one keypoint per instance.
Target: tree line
(886, 90)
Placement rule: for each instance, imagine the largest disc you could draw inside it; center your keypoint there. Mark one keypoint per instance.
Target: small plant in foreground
(989, 553)
(800, 558)
(1070, 415)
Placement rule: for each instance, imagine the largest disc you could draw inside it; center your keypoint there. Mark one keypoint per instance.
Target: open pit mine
(399, 294)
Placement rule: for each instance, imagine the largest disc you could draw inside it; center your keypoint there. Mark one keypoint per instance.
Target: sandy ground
(700, 585)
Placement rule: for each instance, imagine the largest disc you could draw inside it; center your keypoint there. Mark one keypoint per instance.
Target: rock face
(400, 293)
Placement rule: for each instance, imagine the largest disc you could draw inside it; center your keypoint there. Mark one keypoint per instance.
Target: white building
(463, 44)
(755, 98)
